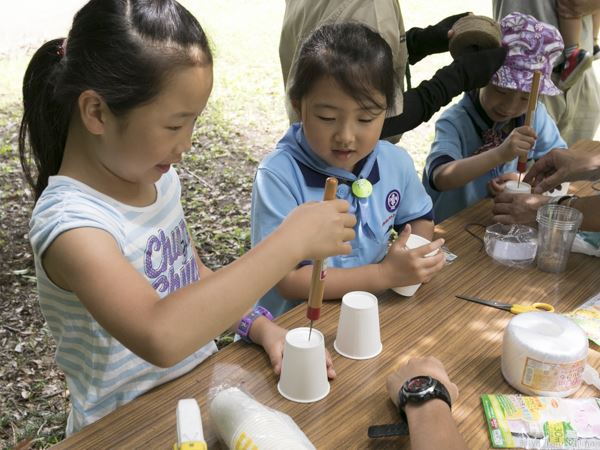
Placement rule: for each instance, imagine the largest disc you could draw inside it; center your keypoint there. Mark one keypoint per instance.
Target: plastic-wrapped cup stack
(243, 422)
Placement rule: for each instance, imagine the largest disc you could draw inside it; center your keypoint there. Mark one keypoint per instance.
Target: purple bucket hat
(532, 45)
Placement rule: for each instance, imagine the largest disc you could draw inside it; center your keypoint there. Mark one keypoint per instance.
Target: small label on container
(552, 377)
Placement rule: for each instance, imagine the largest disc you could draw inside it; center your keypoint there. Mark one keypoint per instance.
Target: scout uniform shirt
(293, 174)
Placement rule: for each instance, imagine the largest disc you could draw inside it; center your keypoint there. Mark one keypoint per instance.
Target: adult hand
(427, 366)
(561, 165)
(475, 69)
(517, 208)
(432, 39)
(571, 9)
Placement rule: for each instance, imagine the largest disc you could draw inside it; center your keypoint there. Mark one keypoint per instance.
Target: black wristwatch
(420, 389)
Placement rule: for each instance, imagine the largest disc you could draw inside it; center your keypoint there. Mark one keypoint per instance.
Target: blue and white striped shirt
(101, 373)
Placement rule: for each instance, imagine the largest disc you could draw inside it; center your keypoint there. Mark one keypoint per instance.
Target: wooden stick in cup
(317, 282)
(533, 96)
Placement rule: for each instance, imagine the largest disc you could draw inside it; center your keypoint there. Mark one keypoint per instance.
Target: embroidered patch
(392, 200)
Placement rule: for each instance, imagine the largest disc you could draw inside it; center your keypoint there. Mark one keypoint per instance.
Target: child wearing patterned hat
(478, 140)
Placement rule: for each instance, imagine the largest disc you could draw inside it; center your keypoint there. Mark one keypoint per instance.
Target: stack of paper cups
(544, 353)
(242, 422)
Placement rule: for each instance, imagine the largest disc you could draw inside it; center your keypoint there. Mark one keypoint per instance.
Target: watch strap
(392, 429)
(439, 391)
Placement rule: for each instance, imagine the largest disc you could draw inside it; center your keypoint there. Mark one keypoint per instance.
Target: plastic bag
(511, 245)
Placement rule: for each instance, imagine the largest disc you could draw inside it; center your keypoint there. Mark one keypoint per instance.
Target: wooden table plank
(467, 338)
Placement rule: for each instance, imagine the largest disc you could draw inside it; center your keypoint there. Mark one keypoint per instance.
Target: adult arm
(467, 72)
(558, 166)
(430, 423)
(521, 208)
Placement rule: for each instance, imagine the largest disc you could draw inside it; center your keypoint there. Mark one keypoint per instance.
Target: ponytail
(43, 130)
(122, 50)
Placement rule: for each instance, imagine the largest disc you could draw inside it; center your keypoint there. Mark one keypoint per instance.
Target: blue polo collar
(315, 170)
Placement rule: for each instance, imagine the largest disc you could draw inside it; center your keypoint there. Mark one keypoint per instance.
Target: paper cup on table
(514, 187)
(304, 369)
(358, 335)
(414, 241)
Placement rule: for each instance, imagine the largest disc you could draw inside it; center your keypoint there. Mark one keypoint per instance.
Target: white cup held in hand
(414, 241)
(304, 368)
(514, 187)
(358, 335)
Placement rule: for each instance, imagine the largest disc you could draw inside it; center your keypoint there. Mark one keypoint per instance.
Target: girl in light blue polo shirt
(342, 87)
(478, 140)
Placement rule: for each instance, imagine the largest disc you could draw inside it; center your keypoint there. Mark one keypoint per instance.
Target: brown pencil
(317, 283)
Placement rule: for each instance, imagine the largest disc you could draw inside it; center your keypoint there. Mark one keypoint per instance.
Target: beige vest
(303, 16)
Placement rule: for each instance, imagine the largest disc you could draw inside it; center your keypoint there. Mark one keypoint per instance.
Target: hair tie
(61, 51)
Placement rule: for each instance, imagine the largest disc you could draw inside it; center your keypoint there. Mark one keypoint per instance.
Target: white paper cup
(414, 241)
(358, 335)
(514, 187)
(304, 369)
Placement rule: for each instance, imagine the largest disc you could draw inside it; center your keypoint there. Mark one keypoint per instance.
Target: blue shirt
(458, 135)
(294, 174)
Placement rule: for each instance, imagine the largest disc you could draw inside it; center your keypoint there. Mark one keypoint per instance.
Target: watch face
(418, 384)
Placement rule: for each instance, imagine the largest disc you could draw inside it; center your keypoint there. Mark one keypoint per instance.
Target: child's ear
(92, 111)
(296, 104)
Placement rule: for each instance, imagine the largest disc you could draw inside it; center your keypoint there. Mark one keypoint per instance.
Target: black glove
(427, 41)
(467, 72)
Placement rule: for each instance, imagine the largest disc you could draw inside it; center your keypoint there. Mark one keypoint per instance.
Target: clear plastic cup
(358, 335)
(514, 187)
(557, 227)
(414, 241)
(304, 368)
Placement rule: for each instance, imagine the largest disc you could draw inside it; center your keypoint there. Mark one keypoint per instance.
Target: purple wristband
(243, 329)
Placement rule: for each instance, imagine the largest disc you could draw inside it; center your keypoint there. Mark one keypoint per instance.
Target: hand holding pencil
(317, 284)
(533, 96)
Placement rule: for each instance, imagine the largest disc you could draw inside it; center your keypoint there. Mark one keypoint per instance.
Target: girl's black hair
(356, 57)
(121, 49)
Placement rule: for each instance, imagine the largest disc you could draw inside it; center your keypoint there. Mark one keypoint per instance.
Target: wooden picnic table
(465, 336)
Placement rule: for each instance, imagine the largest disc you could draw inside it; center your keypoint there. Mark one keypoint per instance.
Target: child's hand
(273, 342)
(403, 266)
(518, 143)
(320, 229)
(496, 186)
